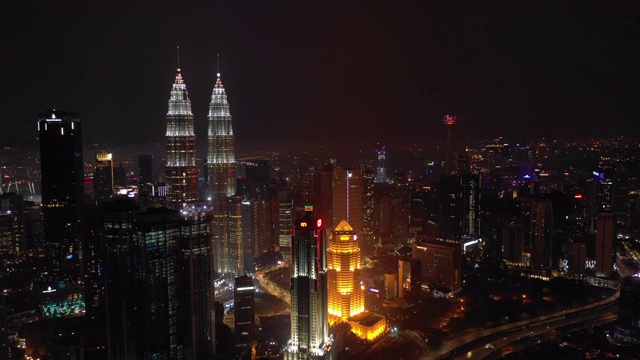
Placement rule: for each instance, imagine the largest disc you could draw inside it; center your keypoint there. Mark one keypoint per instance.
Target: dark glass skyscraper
(60, 135)
(181, 172)
(221, 166)
(309, 301)
(159, 283)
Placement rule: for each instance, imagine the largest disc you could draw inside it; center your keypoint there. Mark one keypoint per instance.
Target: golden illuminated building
(368, 326)
(346, 295)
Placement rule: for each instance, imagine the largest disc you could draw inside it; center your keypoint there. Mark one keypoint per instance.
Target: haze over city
(379, 70)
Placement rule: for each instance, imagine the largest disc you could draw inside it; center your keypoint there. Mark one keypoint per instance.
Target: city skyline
(527, 69)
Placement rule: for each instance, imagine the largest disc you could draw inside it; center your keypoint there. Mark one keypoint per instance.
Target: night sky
(371, 70)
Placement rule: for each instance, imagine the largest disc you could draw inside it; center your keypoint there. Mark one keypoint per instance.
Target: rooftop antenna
(178, 56)
(218, 65)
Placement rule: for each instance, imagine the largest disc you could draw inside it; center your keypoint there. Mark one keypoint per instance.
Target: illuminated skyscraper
(62, 191)
(221, 166)
(346, 298)
(235, 236)
(309, 311)
(181, 173)
(103, 177)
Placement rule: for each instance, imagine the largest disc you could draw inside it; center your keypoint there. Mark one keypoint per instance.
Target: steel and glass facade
(181, 173)
(221, 167)
(60, 135)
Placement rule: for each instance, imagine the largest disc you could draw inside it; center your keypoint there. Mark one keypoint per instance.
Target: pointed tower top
(344, 226)
(178, 56)
(218, 72)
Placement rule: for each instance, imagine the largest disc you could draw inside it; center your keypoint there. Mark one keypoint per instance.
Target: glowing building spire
(181, 171)
(221, 173)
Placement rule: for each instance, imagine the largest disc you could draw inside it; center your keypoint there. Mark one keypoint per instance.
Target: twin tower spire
(181, 172)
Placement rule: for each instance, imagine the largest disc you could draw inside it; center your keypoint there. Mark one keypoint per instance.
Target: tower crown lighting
(450, 120)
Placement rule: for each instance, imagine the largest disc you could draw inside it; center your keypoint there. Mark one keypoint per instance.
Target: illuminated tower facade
(309, 311)
(62, 192)
(221, 166)
(181, 172)
(381, 170)
(346, 298)
(103, 177)
(449, 121)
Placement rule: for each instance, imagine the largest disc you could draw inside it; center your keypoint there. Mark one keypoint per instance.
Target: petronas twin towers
(181, 173)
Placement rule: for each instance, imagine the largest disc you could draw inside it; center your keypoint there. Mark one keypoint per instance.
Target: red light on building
(450, 120)
(319, 222)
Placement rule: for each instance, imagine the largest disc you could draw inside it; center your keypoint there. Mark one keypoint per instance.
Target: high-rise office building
(346, 298)
(221, 166)
(12, 225)
(381, 170)
(450, 122)
(196, 311)
(145, 169)
(604, 243)
(441, 263)
(537, 223)
(409, 278)
(181, 173)
(61, 164)
(244, 309)
(470, 197)
(347, 197)
(309, 311)
(235, 236)
(322, 197)
(513, 243)
(103, 186)
(577, 257)
(367, 243)
(629, 315)
(159, 282)
(284, 203)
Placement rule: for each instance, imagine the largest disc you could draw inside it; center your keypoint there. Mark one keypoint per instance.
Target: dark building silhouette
(441, 263)
(61, 164)
(513, 243)
(604, 243)
(103, 181)
(244, 310)
(537, 222)
(409, 278)
(145, 169)
(629, 315)
(159, 283)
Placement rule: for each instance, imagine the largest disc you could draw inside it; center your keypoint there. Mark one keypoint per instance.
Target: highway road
(270, 287)
(531, 335)
(451, 345)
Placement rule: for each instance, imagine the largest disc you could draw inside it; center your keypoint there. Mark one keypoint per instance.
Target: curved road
(456, 341)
